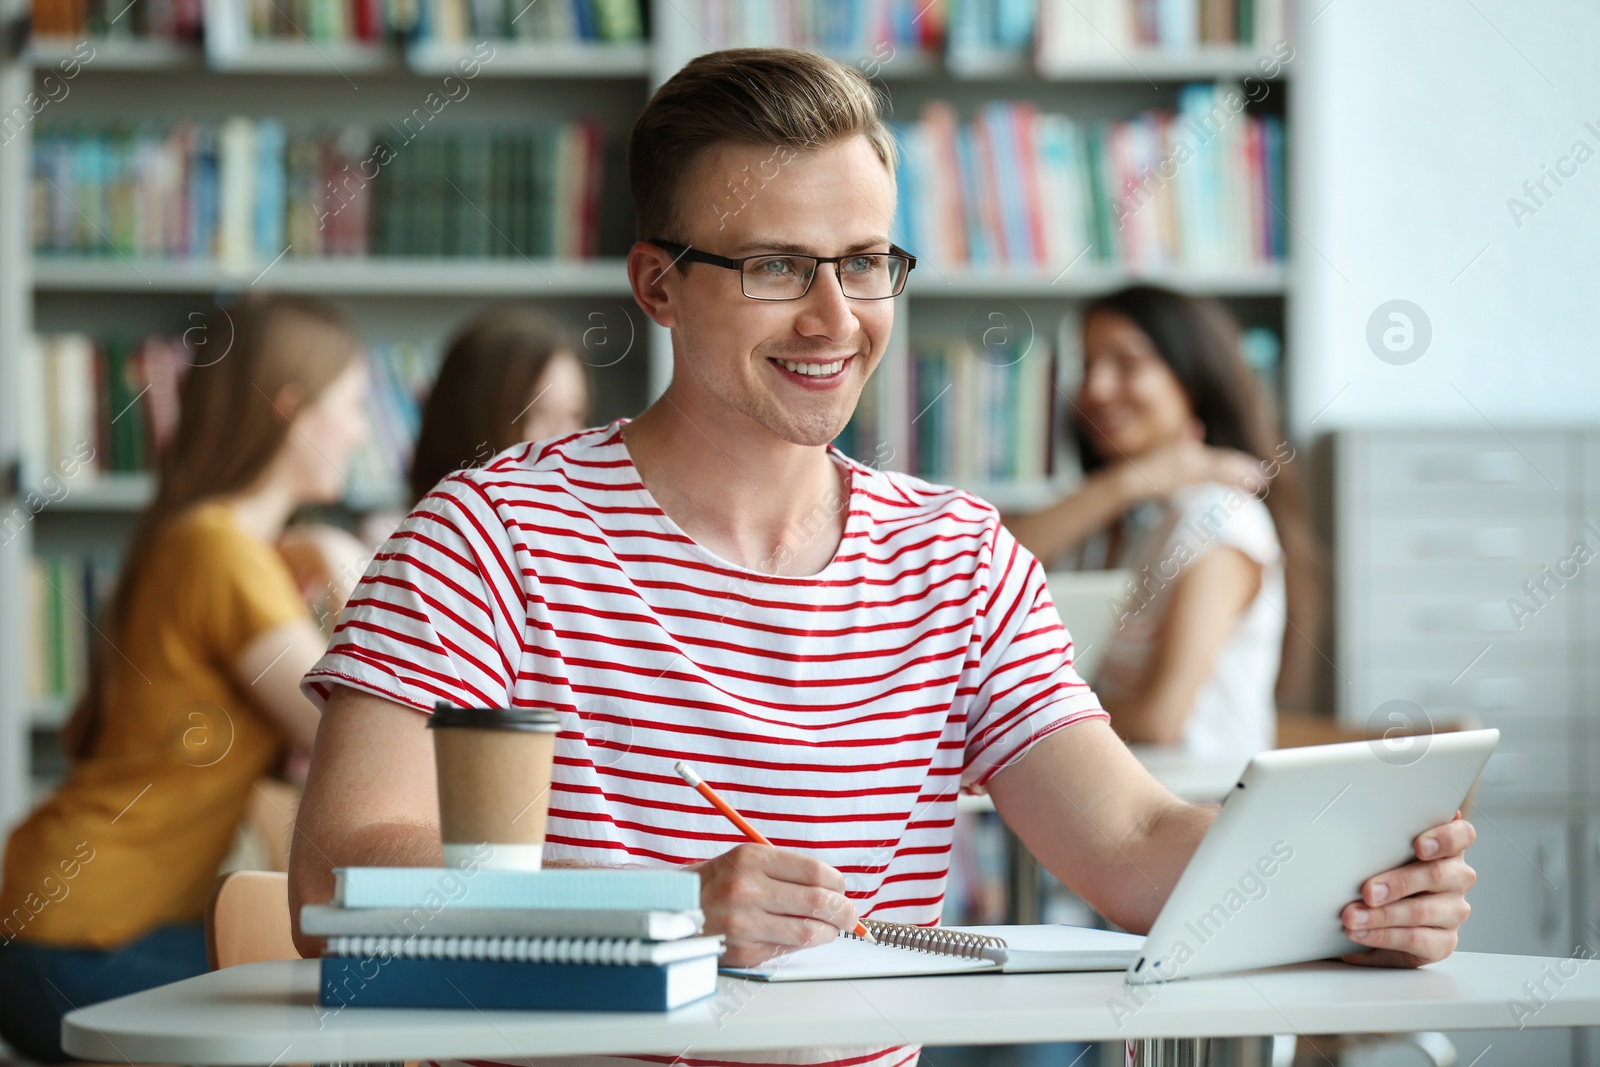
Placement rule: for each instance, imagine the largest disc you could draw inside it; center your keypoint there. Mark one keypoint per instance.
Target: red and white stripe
(840, 712)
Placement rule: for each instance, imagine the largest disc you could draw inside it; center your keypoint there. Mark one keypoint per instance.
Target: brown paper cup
(494, 784)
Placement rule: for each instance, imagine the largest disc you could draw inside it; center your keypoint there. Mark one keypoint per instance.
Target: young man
(836, 649)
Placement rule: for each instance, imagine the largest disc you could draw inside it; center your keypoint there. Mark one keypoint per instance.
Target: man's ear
(650, 273)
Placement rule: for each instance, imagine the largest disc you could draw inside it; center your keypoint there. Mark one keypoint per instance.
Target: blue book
(584, 14)
(438, 887)
(270, 180)
(400, 982)
(980, 252)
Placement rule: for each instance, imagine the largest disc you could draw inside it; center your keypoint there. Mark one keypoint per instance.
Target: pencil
(686, 772)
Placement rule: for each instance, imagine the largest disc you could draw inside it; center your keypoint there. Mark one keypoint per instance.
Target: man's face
(745, 200)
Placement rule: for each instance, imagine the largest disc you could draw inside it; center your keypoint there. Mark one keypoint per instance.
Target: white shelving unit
(375, 276)
(394, 299)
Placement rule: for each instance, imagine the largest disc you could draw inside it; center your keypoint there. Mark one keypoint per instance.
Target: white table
(264, 1013)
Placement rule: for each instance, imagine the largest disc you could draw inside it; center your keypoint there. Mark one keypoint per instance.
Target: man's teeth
(814, 370)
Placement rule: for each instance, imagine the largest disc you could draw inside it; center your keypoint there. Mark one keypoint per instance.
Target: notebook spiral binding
(590, 950)
(935, 939)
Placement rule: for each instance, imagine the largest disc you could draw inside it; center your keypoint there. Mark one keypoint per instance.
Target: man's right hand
(766, 901)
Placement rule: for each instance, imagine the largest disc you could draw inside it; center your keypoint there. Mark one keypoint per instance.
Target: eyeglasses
(862, 275)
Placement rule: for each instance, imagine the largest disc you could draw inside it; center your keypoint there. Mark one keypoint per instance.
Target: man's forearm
(1158, 858)
(314, 856)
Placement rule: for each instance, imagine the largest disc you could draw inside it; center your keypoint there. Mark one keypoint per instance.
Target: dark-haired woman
(194, 689)
(1188, 483)
(507, 377)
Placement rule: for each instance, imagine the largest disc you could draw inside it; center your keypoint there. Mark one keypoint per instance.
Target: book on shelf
(234, 26)
(1074, 31)
(74, 20)
(111, 404)
(245, 190)
(561, 21)
(401, 376)
(989, 29)
(65, 591)
(111, 407)
(1026, 190)
(867, 33)
(982, 417)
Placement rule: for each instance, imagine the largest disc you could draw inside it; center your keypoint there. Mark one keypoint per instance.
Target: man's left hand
(1409, 916)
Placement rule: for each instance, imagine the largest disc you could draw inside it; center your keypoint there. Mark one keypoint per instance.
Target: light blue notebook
(434, 888)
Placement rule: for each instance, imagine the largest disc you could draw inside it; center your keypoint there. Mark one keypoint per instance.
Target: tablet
(1292, 845)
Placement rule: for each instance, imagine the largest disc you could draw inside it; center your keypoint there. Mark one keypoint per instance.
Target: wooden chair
(247, 919)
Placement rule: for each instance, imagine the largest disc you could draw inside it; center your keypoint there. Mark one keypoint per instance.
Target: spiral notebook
(596, 951)
(904, 950)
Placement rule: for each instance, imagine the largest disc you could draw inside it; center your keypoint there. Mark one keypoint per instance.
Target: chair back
(247, 920)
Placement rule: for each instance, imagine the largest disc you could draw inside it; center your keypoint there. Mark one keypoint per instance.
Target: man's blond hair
(785, 98)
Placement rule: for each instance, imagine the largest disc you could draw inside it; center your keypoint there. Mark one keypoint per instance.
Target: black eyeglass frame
(685, 253)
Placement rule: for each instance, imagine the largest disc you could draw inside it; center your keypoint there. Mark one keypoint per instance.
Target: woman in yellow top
(194, 690)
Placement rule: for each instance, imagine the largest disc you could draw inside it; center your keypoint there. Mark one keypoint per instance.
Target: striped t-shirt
(840, 712)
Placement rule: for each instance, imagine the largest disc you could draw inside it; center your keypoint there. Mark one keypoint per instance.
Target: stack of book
(244, 191)
(1021, 189)
(568, 940)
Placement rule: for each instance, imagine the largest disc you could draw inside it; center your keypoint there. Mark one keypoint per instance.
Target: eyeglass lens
(869, 276)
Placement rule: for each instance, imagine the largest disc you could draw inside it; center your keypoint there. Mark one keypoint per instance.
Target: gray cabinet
(1465, 587)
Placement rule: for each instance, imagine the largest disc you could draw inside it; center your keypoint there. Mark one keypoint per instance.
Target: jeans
(42, 983)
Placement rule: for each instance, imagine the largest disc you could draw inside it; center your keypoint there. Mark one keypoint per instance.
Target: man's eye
(778, 266)
(863, 264)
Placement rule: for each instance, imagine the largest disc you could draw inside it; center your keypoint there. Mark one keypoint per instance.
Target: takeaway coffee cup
(494, 783)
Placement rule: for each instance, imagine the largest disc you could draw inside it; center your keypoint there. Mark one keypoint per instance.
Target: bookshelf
(351, 276)
(328, 84)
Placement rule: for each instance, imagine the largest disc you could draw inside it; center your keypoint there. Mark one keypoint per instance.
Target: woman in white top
(1188, 483)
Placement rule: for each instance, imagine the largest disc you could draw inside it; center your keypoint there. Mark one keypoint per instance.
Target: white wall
(1414, 121)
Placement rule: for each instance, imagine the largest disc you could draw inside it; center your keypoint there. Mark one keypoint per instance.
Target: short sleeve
(1214, 516)
(228, 587)
(440, 613)
(1021, 660)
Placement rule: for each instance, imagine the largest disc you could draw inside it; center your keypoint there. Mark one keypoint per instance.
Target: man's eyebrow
(759, 245)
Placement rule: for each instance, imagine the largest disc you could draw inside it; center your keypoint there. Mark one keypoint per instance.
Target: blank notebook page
(1028, 948)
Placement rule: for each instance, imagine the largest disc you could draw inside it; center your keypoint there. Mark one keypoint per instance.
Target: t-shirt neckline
(852, 517)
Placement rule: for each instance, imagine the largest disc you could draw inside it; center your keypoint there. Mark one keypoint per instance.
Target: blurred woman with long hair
(1190, 484)
(508, 376)
(194, 685)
